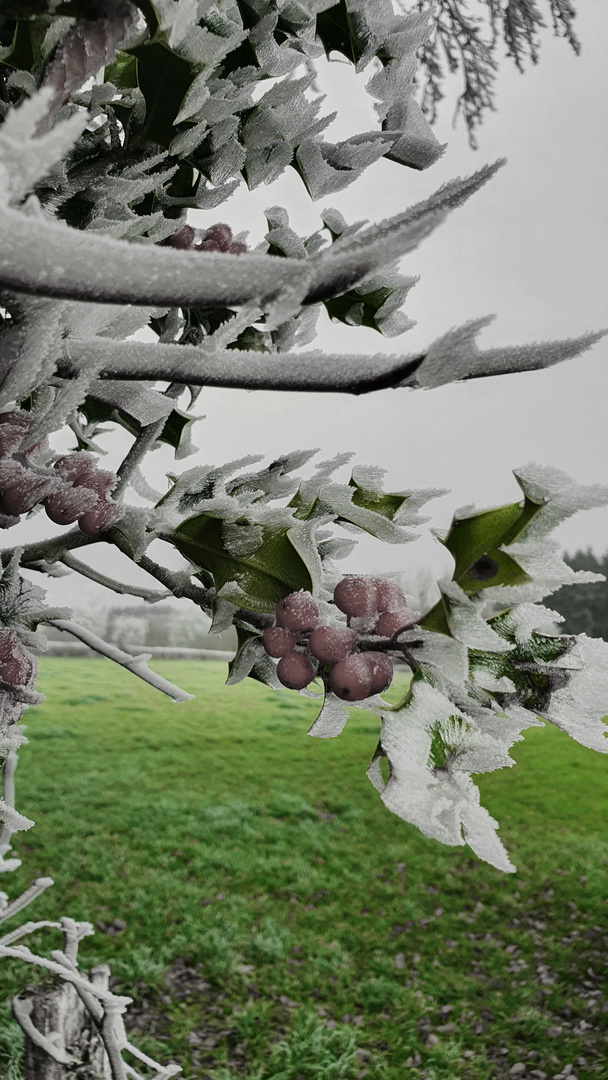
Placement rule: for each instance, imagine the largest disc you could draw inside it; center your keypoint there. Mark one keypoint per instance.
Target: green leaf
(164, 80)
(261, 578)
(380, 502)
(100, 412)
(336, 32)
(122, 72)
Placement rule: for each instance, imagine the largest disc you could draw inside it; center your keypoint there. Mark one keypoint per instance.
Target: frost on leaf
(432, 746)
(580, 708)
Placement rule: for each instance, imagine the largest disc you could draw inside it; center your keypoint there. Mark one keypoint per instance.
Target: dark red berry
(381, 671)
(332, 643)
(297, 611)
(101, 481)
(18, 667)
(236, 248)
(100, 518)
(389, 596)
(351, 679)
(66, 506)
(25, 494)
(295, 670)
(356, 596)
(220, 235)
(77, 466)
(182, 239)
(391, 621)
(278, 641)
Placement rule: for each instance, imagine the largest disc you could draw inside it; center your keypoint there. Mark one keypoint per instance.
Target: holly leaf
(254, 570)
(174, 433)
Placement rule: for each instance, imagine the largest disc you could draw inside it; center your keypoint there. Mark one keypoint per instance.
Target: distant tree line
(584, 607)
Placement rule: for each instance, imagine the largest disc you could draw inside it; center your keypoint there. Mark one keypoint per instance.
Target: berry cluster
(300, 643)
(217, 238)
(74, 489)
(18, 670)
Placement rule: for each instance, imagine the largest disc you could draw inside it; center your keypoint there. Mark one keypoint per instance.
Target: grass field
(278, 922)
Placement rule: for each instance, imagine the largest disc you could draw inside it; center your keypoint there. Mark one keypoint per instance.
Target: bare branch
(151, 596)
(22, 1011)
(135, 664)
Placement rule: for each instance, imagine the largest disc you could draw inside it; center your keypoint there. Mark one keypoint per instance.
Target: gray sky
(530, 248)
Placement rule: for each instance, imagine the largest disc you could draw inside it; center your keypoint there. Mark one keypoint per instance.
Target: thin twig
(143, 443)
(39, 886)
(150, 595)
(8, 794)
(135, 664)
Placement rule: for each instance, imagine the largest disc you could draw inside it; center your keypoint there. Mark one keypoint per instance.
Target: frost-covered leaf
(427, 745)
(251, 661)
(27, 156)
(580, 708)
(332, 718)
(256, 579)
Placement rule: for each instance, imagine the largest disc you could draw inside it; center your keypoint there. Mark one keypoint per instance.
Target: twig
(143, 443)
(150, 595)
(39, 886)
(312, 371)
(8, 794)
(22, 1012)
(135, 664)
(52, 549)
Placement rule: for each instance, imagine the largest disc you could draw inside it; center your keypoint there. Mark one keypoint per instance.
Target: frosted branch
(27, 928)
(22, 1011)
(151, 596)
(39, 886)
(135, 664)
(45, 258)
(143, 443)
(8, 794)
(312, 371)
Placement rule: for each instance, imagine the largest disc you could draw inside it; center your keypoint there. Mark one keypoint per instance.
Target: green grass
(281, 923)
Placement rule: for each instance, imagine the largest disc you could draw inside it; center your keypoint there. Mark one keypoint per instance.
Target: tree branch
(135, 664)
(45, 258)
(151, 596)
(313, 371)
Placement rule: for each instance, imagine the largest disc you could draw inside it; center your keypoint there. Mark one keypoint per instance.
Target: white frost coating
(27, 157)
(456, 355)
(559, 495)
(466, 621)
(339, 499)
(542, 561)
(442, 803)
(241, 540)
(525, 619)
(14, 821)
(581, 707)
(443, 657)
(331, 720)
(144, 405)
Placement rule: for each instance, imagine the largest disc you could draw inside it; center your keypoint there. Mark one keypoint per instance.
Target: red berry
(14, 426)
(277, 640)
(25, 494)
(351, 679)
(101, 481)
(220, 236)
(390, 596)
(65, 507)
(331, 643)
(182, 239)
(381, 671)
(356, 596)
(391, 621)
(236, 248)
(297, 611)
(100, 518)
(77, 466)
(295, 670)
(18, 667)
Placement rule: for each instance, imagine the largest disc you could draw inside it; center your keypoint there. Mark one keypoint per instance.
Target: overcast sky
(530, 248)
